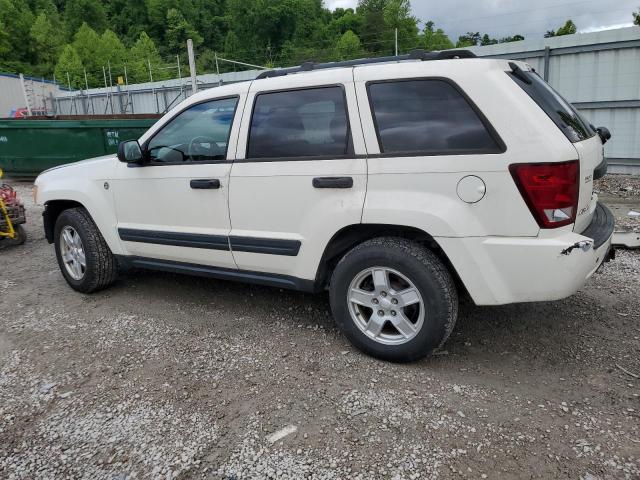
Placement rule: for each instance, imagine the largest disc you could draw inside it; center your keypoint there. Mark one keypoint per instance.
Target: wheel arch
(348, 237)
(52, 210)
(103, 221)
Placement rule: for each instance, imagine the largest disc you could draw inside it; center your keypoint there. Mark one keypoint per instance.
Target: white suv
(394, 183)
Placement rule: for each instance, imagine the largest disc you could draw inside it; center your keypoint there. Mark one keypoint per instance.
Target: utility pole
(54, 98)
(106, 90)
(86, 86)
(218, 69)
(73, 107)
(396, 42)
(180, 77)
(126, 82)
(192, 66)
(111, 88)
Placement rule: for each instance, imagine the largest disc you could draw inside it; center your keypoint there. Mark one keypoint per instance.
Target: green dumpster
(28, 147)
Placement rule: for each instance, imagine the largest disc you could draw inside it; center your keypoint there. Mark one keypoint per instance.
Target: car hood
(104, 159)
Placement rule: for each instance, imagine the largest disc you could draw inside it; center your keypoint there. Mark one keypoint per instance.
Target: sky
(501, 18)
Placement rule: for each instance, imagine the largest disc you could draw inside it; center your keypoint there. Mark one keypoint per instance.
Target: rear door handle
(203, 184)
(333, 182)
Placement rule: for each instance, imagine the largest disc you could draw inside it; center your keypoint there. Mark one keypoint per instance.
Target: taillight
(550, 190)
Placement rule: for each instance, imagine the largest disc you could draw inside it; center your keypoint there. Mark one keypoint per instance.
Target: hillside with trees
(46, 37)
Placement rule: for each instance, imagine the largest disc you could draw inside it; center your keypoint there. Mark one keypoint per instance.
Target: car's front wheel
(394, 299)
(85, 260)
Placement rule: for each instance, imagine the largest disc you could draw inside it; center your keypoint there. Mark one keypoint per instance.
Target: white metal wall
(12, 96)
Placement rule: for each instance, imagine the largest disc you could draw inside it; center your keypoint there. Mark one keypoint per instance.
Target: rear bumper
(501, 270)
(601, 227)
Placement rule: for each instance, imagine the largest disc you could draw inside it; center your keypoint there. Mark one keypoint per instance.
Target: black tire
(20, 235)
(101, 265)
(426, 272)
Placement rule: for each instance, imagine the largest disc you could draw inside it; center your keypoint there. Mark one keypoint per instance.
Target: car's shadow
(532, 333)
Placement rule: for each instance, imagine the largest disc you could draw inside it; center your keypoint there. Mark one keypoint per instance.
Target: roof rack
(414, 55)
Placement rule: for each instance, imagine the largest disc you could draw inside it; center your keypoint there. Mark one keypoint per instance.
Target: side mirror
(129, 151)
(604, 134)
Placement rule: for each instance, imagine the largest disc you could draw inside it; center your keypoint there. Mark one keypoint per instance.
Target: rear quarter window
(428, 117)
(563, 114)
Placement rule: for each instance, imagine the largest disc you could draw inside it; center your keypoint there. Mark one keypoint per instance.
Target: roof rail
(414, 55)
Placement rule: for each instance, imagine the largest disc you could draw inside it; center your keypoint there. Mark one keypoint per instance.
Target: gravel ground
(166, 376)
(622, 194)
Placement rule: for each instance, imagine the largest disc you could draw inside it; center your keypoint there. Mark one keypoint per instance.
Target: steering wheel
(196, 149)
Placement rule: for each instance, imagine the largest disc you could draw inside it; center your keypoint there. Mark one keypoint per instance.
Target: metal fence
(152, 97)
(600, 74)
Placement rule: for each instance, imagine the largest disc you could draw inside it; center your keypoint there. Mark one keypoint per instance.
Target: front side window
(299, 123)
(429, 117)
(199, 134)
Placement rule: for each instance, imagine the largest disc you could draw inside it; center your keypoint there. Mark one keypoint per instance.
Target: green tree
(209, 21)
(343, 20)
(142, 54)
(569, 28)
(435, 39)
(348, 47)
(86, 43)
(178, 30)
(16, 18)
(372, 32)
(46, 41)
(157, 16)
(232, 46)
(91, 12)
(111, 52)
(397, 15)
(127, 18)
(486, 40)
(5, 44)
(513, 38)
(470, 39)
(636, 17)
(70, 63)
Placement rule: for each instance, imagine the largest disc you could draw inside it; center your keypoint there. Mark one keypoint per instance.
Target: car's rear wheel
(85, 260)
(394, 299)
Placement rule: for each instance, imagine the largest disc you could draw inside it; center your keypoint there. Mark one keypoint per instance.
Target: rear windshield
(559, 110)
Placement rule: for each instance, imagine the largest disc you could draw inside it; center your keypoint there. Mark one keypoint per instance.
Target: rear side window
(428, 117)
(557, 108)
(299, 123)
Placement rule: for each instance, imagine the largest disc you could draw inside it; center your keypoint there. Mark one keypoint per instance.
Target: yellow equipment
(12, 215)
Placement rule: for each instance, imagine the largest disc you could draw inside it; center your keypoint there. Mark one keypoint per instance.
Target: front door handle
(203, 184)
(333, 182)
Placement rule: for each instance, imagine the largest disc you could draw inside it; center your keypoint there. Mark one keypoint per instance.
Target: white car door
(300, 172)
(174, 207)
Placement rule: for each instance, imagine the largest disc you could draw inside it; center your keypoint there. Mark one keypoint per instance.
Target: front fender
(90, 188)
